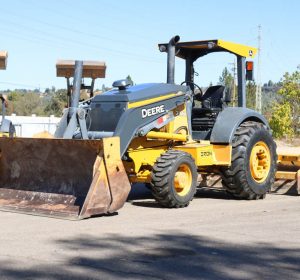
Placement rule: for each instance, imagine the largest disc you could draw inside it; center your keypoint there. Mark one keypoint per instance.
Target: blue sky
(125, 34)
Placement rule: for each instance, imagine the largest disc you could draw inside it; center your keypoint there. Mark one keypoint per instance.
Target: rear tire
(174, 179)
(253, 166)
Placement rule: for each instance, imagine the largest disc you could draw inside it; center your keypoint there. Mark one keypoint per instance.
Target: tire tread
(234, 177)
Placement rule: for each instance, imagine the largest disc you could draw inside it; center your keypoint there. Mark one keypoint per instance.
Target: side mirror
(249, 70)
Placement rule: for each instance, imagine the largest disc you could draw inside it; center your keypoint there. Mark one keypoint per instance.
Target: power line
(80, 43)
(75, 19)
(34, 39)
(68, 28)
(23, 85)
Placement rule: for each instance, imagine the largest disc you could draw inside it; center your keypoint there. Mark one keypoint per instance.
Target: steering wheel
(195, 85)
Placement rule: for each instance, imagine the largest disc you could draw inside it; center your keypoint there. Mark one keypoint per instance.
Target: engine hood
(139, 92)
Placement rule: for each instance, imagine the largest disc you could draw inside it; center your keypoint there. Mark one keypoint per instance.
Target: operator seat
(212, 98)
(204, 117)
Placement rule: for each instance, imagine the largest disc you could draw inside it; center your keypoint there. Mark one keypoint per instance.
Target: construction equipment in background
(149, 133)
(65, 68)
(288, 167)
(91, 69)
(7, 129)
(3, 59)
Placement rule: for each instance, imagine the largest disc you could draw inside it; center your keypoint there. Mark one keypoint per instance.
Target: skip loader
(149, 133)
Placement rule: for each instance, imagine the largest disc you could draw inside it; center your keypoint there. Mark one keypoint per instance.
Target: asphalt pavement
(216, 237)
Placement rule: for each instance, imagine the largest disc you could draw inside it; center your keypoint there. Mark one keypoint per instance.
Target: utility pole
(233, 69)
(258, 78)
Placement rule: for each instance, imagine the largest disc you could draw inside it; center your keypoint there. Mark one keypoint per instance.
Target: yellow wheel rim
(183, 180)
(260, 162)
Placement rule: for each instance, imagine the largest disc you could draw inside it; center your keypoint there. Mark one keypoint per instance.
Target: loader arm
(132, 120)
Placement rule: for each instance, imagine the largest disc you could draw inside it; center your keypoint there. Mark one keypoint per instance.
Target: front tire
(174, 179)
(253, 166)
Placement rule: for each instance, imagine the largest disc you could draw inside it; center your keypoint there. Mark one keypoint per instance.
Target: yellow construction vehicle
(288, 166)
(91, 70)
(150, 133)
(65, 68)
(7, 129)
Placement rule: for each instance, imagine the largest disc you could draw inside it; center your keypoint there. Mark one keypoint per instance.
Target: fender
(228, 121)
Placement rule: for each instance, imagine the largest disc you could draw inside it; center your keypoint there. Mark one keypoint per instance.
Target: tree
(13, 96)
(290, 92)
(54, 107)
(285, 113)
(226, 79)
(250, 94)
(28, 103)
(281, 120)
(61, 95)
(57, 103)
(130, 79)
(47, 90)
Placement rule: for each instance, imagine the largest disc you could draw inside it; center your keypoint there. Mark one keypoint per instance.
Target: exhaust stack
(171, 59)
(76, 87)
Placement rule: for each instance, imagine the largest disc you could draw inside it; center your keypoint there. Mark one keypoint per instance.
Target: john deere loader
(151, 133)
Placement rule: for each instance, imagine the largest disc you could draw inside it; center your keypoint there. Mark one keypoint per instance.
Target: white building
(27, 126)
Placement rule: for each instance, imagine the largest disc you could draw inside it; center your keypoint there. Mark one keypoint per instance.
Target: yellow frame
(238, 49)
(144, 152)
(152, 100)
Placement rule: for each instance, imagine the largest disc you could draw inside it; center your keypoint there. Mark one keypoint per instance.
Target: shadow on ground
(141, 196)
(161, 256)
(285, 187)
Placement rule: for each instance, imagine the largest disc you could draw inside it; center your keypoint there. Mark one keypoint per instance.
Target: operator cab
(208, 104)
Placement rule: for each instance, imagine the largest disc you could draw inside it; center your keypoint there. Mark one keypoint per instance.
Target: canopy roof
(196, 49)
(3, 59)
(91, 69)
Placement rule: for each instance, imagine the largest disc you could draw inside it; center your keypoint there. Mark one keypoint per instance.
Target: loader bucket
(72, 179)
